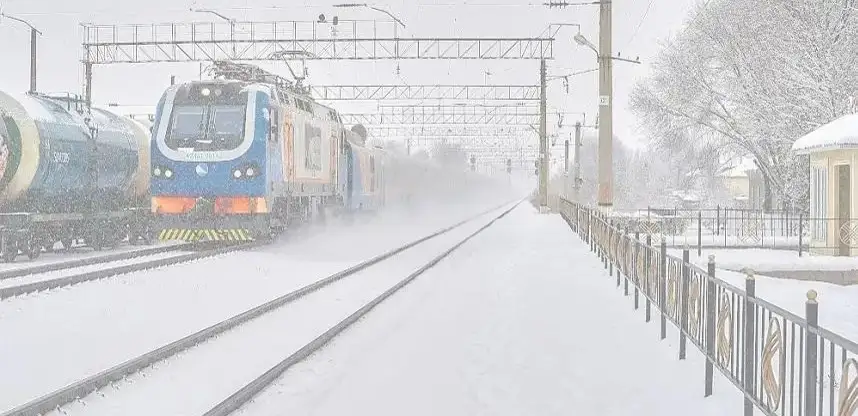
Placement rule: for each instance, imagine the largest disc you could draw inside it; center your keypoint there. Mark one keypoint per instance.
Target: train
(240, 159)
(67, 173)
(223, 159)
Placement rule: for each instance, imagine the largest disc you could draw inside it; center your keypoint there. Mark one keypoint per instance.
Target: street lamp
(352, 5)
(228, 19)
(33, 33)
(231, 26)
(581, 40)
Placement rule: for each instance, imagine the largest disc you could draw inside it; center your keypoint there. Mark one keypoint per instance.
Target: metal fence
(783, 363)
(720, 227)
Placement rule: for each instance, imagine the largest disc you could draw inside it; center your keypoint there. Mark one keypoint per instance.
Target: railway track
(40, 278)
(71, 396)
(85, 261)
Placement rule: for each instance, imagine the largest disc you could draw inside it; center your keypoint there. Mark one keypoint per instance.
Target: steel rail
(48, 284)
(89, 261)
(82, 388)
(249, 391)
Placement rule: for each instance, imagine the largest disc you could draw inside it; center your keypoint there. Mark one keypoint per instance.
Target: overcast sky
(639, 26)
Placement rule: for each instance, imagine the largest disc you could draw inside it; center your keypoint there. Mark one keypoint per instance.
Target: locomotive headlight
(168, 173)
(157, 172)
(236, 173)
(250, 172)
(205, 92)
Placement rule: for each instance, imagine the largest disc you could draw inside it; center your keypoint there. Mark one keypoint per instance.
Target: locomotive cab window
(206, 128)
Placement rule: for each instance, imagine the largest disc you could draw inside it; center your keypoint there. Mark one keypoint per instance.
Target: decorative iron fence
(720, 227)
(783, 363)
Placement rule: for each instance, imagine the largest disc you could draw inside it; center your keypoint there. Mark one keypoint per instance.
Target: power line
(646, 13)
(266, 8)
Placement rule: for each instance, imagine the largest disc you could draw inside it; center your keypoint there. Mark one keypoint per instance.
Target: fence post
(718, 219)
(683, 302)
(699, 233)
(811, 315)
(800, 231)
(648, 261)
(589, 229)
(610, 251)
(637, 269)
(662, 282)
(749, 340)
(603, 245)
(710, 326)
(621, 253)
(627, 251)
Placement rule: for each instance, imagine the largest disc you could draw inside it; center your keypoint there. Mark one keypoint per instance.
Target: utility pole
(577, 164)
(566, 169)
(606, 113)
(566, 156)
(33, 33)
(543, 139)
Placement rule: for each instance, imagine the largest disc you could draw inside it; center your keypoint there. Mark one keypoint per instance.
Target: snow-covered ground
(233, 359)
(768, 259)
(522, 320)
(54, 338)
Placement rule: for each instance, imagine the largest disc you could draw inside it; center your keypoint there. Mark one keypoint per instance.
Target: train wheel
(96, 240)
(148, 236)
(133, 234)
(321, 213)
(34, 249)
(10, 253)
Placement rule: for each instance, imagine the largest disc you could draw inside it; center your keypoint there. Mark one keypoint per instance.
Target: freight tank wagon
(69, 173)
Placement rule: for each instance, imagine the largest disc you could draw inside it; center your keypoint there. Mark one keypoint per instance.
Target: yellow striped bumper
(184, 234)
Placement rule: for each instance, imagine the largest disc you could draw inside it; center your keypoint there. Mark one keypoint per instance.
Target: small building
(735, 180)
(833, 153)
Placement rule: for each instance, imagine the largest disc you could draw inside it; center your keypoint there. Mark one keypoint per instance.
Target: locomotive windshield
(206, 128)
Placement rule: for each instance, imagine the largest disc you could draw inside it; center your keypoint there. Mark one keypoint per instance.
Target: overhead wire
(640, 23)
(125, 11)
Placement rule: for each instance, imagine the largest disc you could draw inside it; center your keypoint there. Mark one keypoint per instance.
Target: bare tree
(750, 77)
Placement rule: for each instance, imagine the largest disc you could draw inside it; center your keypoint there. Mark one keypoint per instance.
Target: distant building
(736, 181)
(833, 153)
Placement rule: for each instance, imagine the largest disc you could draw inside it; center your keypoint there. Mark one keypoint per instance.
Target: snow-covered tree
(749, 78)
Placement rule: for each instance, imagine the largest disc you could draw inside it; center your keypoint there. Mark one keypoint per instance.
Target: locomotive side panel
(312, 148)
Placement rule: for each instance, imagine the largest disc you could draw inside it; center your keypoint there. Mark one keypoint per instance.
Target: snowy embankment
(522, 320)
(54, 338)
(225, 364)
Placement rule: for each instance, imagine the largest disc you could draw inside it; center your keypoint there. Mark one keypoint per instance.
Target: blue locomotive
(242, 160)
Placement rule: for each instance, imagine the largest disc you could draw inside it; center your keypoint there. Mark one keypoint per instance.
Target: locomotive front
(209, 161)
